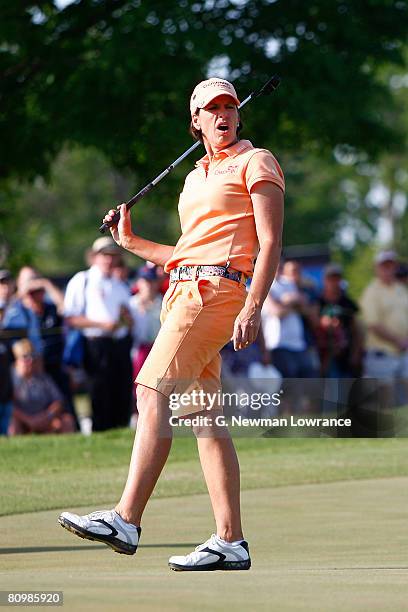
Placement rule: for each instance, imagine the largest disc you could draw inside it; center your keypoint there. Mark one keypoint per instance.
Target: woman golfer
(231, 211)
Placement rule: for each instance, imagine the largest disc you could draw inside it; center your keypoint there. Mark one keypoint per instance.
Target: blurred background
(94, 103)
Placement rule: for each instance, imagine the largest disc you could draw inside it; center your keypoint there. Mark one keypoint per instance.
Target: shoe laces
(108, 515)
(211, 541)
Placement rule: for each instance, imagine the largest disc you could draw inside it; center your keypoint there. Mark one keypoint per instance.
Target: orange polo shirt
(215, 208)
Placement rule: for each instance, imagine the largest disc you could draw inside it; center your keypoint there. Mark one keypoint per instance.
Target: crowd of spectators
(104, 324)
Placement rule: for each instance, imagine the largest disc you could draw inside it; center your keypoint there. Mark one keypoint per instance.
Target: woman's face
(218, 122)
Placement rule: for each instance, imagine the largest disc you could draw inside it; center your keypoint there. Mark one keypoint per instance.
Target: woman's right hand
(122, 231)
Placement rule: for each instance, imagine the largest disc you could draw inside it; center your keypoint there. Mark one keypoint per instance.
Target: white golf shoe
(214, 554)
(103, 526)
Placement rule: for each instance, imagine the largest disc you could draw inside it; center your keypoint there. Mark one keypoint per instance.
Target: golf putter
(266, 89)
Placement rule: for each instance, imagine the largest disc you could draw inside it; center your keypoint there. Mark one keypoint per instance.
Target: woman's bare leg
(150, 451)
(220, 465)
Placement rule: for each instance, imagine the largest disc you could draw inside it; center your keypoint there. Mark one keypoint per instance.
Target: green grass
(325, 518)
(327, 547)
(53, 472)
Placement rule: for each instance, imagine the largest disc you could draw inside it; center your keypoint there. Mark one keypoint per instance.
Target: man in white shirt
(97, 303)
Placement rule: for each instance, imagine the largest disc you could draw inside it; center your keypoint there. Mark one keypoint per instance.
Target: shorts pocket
(167, 301)
(207, 289)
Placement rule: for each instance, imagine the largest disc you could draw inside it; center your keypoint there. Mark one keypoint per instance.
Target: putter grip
(106, 226)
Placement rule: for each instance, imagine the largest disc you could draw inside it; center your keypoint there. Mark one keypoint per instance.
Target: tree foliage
(98, 91)
(117, 74)
(51, 224)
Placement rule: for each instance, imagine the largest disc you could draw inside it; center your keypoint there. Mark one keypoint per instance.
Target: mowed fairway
(329, 546)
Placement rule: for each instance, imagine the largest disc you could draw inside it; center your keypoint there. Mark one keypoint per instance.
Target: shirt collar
(232, 151)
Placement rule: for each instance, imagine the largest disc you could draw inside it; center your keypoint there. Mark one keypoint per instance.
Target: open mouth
(223, 127)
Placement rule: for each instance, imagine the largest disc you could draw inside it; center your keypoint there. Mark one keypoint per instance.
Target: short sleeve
(26, 321)
(262, 166)
(74, 300)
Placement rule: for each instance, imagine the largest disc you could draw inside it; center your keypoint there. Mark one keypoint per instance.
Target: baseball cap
(384, 256)
(105, 245)
(5, 275)
(333, 269)
(207, 90)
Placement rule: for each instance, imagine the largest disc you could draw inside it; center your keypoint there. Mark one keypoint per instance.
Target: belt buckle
(197, 271)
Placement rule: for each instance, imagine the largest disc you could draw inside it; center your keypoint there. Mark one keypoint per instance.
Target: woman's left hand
(246, 326)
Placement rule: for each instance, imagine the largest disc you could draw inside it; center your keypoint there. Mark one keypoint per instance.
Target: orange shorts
(197, 321)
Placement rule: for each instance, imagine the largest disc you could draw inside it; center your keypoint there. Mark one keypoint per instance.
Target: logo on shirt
(231, 169)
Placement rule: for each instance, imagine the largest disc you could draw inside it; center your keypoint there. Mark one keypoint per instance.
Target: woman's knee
(148, 399)
(209, 424)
